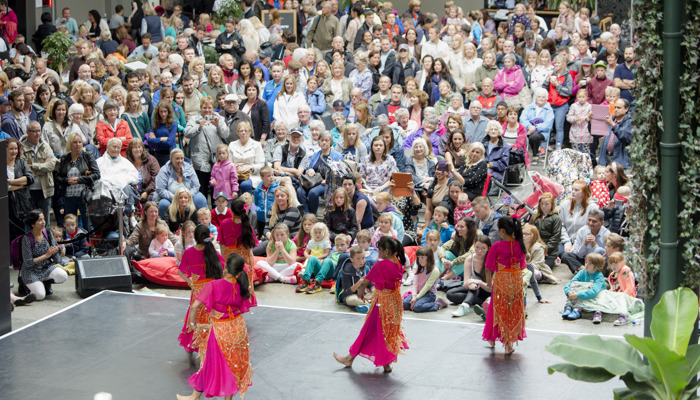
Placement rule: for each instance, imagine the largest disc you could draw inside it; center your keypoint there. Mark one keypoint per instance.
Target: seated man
(589, 239)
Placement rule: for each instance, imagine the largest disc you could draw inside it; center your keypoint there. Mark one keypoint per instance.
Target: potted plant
(56, 47)
(229, 8)
(672, 365)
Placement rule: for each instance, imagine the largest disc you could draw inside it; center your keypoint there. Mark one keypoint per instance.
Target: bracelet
(193, 324)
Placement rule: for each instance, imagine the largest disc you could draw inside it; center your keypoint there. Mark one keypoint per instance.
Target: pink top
(385, 275)
(192, 263)
(302, 248)
(507, 253)
(221, 295)
(229, 232)
(226, 177)
(600, 192)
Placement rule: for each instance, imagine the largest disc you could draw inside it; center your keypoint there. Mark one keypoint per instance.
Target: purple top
(221, 296)
(385, 275)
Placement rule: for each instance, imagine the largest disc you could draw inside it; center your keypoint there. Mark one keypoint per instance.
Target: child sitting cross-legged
(384, 228)
(432, 240)
(319, 245)
(316, 271)
(424, 295)
(281, 261)
(351, 273)
(161, 246)
(439, 223)
(186, 239)
(364, 241)
(621, 280)
(584, 286)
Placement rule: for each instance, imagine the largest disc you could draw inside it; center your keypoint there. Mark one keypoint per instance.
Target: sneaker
(362, 308)
(314, 287)
(408, 281)
(480, 312)
(597, 317)
(333, 288)
(543, 152)
(575, 314)
(566, 313)
(290, 280)
(462, 310)
(621, 320)
(303, 284)
(441, 303)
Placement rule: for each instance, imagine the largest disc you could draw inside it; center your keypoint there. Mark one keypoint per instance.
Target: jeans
(424, 304)
(559, 120)
(199, 202)
(309, 198)
(245, 187)
(72, 205)
(319, 270)
(573, 261)
(40, 202)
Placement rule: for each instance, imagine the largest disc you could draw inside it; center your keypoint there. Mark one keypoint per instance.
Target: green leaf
(585, 374)
(616, 357)
(673, 319)
(693, 357)
(669, 367)
(624, 394)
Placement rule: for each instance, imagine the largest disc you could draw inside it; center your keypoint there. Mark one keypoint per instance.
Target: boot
(47, 286)
(22, 290)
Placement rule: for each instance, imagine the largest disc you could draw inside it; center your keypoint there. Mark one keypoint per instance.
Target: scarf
(435, 93)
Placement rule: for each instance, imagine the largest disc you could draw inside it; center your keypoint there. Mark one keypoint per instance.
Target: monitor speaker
(93, 275)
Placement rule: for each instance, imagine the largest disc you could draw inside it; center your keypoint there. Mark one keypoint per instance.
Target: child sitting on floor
(364, 240)
(78, 248)
(221, 211)
(161, 246)
(599, 187)
(302, 238)
(319, 246)
(423, 297)
(350, 276)
(585, 285)
(439, 223)
(432, 241)
(316, 271)
(186, 239)
(621, 280)
(464, 208)
(204, 218)
(384, 228)
(280, 263)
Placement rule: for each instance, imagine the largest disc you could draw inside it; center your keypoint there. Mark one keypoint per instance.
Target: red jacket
(105, 132)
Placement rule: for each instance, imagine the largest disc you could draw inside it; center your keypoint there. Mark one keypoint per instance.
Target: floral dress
(377, 174)
(406, 206)
(362, 80)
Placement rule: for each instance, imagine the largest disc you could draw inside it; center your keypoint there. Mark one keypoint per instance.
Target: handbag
(310, 182)
(243, 175)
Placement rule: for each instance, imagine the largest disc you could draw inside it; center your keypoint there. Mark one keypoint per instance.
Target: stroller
(109, 206)
(522, 201)
(567, 166)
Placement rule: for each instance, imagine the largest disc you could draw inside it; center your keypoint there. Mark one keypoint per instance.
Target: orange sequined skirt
(247, 255)
(505, 319)
(192, 340)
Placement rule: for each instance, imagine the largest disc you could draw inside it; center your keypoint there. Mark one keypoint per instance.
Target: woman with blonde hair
(248, 155)
(470, 63)
(536, 249)
(474, 171)
(180, 210)
(288, 101)
(118, 94)
(262, 31)
(549, 226)
(322, 71)
(352, 147)
(337, 86)
(138, 120)
(215, 83)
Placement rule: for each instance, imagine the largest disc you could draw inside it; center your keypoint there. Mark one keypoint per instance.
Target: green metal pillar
(670, 149)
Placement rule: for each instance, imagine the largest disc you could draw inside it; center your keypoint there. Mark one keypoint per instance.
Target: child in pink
(385, 222)
(224, 177)
(161, 246)
(579, 115)
(621, 280)
(464, 208)
(599, 188)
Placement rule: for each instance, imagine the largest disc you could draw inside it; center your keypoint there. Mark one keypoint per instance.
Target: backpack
(16, 248)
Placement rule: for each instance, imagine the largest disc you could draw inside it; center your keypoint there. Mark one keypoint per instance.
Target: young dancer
(236, 236)
(381, 339)
(200, 264)
(226, 368)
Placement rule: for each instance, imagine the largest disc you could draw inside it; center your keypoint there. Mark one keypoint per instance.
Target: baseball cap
(600, 63)
(296, 131)
(587, 61)
(338, 104)
(403, 46)
(231, 97)
(266, 53)
(221, 194)
(3, 101)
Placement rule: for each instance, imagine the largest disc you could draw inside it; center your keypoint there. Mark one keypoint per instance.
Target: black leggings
(461, 295)
(536, 140)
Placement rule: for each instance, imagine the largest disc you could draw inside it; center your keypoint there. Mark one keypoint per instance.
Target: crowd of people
(243, 124)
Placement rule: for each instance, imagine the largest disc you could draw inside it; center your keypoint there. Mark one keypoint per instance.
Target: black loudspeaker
(93, 275)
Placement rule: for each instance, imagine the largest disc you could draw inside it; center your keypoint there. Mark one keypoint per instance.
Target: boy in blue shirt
(439, 223)
(264, 197)
(204, 218)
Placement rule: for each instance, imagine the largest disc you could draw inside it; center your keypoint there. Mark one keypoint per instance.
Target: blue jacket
(547, 117)
(164, 131)
(498, 157)
(398, 225)
(264, 199)
(582, 276)
(10, 125)
(623, 137)
(269, 94)
(334, 156)
(264, 69)
(316, 100)
(445, 233)
(167, 175)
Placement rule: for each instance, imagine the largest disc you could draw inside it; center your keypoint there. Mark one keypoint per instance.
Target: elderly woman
(112, 127)
(497, 152)
(319, 164)
(206, 132)
(515, 134)
(77, 126)
(474, 171)
(403, 122)
(144, 232)
(147, 167)
(248, 156)
(421, 164)
(40, 254)
(278, 140)
(361, 77)
(351, 147)
(77, 172)
(538, 118)
(115, 169)
(337, 87)
(175, 174)
(428, 132)
(377, 171)
(614, 146)
(510, 81)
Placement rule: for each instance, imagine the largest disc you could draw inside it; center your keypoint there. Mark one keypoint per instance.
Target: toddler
(221, 211)
(423, 298)
(579, 115)
(621, 280)
(280, 262)
(464, 208)
(204, 218)
(321, 271)
(616, 210)
(599, 188)
(186, 239)
(439, 223)
(161, 246)
(76, 249)
(584, 286)
(224, 178)
(385, 222)
(319, 245)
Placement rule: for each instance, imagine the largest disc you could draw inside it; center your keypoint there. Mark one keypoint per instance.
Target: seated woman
(377, 171)
(139, 121)
(279, 139)
(573, 213)
(115, 169)
(147, 167)
(283, 212)
(40, 254)
(497, 153)
(351, 147)
(538, 119)
(456, 140)
(459, 248)
(281, 256)
(77, 171)
(319, 164)
(175, 174)
(548, 225)
(515, 134)
(421, 165)
(439, 189)
(395, 148)
(180, 210)
(363, 210)
(474, 171)
(477, 280)
(403, 123)
(536, 252)
(248, 156)
(136, 245)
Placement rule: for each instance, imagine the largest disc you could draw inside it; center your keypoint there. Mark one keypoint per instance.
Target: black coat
(20, 202)
(42, 32)
(260, 118)
(339, 221)
(85, 162)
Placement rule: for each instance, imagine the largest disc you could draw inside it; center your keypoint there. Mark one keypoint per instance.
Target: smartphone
(209, 117)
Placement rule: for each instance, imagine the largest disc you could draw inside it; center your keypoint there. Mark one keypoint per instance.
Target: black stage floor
(127, 345)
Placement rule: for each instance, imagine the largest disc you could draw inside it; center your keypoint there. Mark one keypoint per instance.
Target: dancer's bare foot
(194, 396)
(387, 368)
(492, 343)
(509, 349)
(347, 360)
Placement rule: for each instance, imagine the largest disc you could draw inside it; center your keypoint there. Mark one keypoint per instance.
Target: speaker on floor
(93, 275)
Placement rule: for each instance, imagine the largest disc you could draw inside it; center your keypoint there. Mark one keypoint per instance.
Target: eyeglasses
(33, 130)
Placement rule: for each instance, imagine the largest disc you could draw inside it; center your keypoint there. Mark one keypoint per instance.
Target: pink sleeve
(521, 140)
(519, 83)
(490, 262)
(498, 82)
(185, 263)
(626, 279)
(206, 296)
(234, 181)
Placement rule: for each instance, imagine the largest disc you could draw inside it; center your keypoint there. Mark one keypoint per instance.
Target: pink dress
(381, 339)
(229, 232)
(225, 369)
(505, 319)
(600, 192)
(192, 265)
